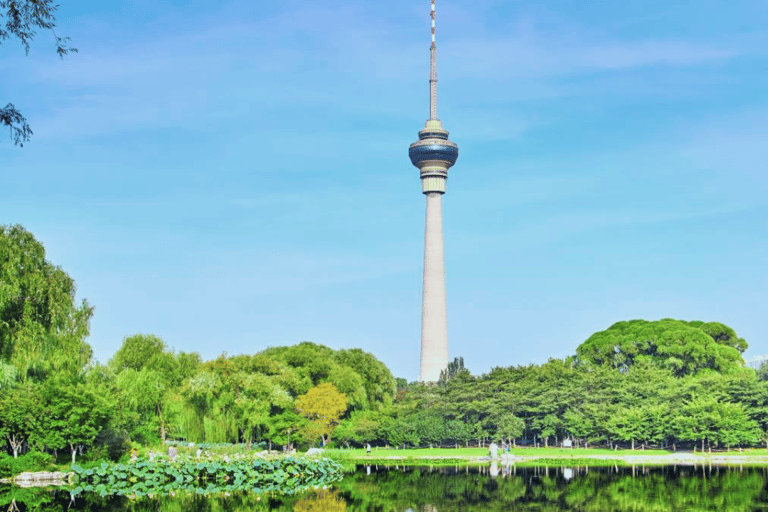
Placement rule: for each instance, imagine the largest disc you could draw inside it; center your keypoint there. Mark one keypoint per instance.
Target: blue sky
(234, 175)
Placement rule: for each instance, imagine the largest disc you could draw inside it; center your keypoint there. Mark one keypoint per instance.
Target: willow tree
(42, 328)
(19, 19)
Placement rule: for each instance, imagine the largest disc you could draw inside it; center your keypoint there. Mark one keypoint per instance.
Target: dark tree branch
(12, 118)
(19, 19)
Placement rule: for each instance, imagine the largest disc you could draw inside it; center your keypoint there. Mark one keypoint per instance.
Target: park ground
(551, 456)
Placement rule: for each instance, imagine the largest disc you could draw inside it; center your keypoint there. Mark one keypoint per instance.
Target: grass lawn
(544, 456)
(461, 453)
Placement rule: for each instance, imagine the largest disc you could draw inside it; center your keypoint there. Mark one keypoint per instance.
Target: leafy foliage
(685, 348)
(32, 461)
(285, 475)
(322, 405)
(42, 329)
(455, 368)
(116, 442)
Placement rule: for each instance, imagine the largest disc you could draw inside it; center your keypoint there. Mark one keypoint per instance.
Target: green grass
(462, 453)
(410, 453)
(747, 452)
(581, 452)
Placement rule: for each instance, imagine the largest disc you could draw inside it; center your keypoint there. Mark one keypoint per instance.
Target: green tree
(629, 425)
(377, 380)
(509, 426)
(360, 428)
(256, 398)
(141, 351)
(19, 19)
(683, 347)
(284, 428)
(78, 413)
(144, 392)
(148, 377)
(42, 329)
(455, 368)
(20, 413)
(736, 428)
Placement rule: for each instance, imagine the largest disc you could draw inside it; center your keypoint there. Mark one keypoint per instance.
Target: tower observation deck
(433, 154)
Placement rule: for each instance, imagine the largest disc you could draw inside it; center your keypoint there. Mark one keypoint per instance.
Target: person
(493, 449)
(172, 453)
(151, 455)
(368, 448)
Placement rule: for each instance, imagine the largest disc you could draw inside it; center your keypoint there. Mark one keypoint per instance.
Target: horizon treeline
(664, 383)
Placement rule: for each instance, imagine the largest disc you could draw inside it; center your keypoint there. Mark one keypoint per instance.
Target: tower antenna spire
(433, 69)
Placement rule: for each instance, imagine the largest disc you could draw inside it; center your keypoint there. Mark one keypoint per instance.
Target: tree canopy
(683, 347)
(322, 405)
(42, 328)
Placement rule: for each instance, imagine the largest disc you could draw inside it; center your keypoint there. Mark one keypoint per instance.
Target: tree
(455, 368)
(255, 398)
(378, 382)
(19, 19)
(42, 329)
(509, 426)
(20, 412)
(629, 425)
(361, 427)
(143, 392)
(78, 413)
(683, 347)
(142, 351)
(284, 428)
(148, 374)
(704, 418)
(459, 431)
(322, 405)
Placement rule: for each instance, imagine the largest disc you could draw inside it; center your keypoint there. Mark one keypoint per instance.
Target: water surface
(488, 488)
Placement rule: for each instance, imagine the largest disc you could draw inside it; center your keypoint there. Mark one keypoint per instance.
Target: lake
(486, 488)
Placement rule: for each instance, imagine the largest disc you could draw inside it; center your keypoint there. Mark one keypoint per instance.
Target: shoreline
(670, 459)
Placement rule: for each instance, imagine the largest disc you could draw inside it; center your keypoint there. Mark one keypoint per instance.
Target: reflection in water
(494, 487)
(324, 500)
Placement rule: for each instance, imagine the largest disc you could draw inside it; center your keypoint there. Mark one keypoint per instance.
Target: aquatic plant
(285, 475)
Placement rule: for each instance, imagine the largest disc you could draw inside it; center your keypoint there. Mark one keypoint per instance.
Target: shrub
(145, 436)
(31, 461)
(116, 442)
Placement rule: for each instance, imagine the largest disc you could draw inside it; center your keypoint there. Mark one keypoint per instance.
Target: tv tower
(433, 154)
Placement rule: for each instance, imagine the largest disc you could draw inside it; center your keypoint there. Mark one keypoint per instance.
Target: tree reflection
(660, 489)
(324, 500)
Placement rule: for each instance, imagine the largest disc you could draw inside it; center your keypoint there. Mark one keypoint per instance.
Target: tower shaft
(434, 321)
